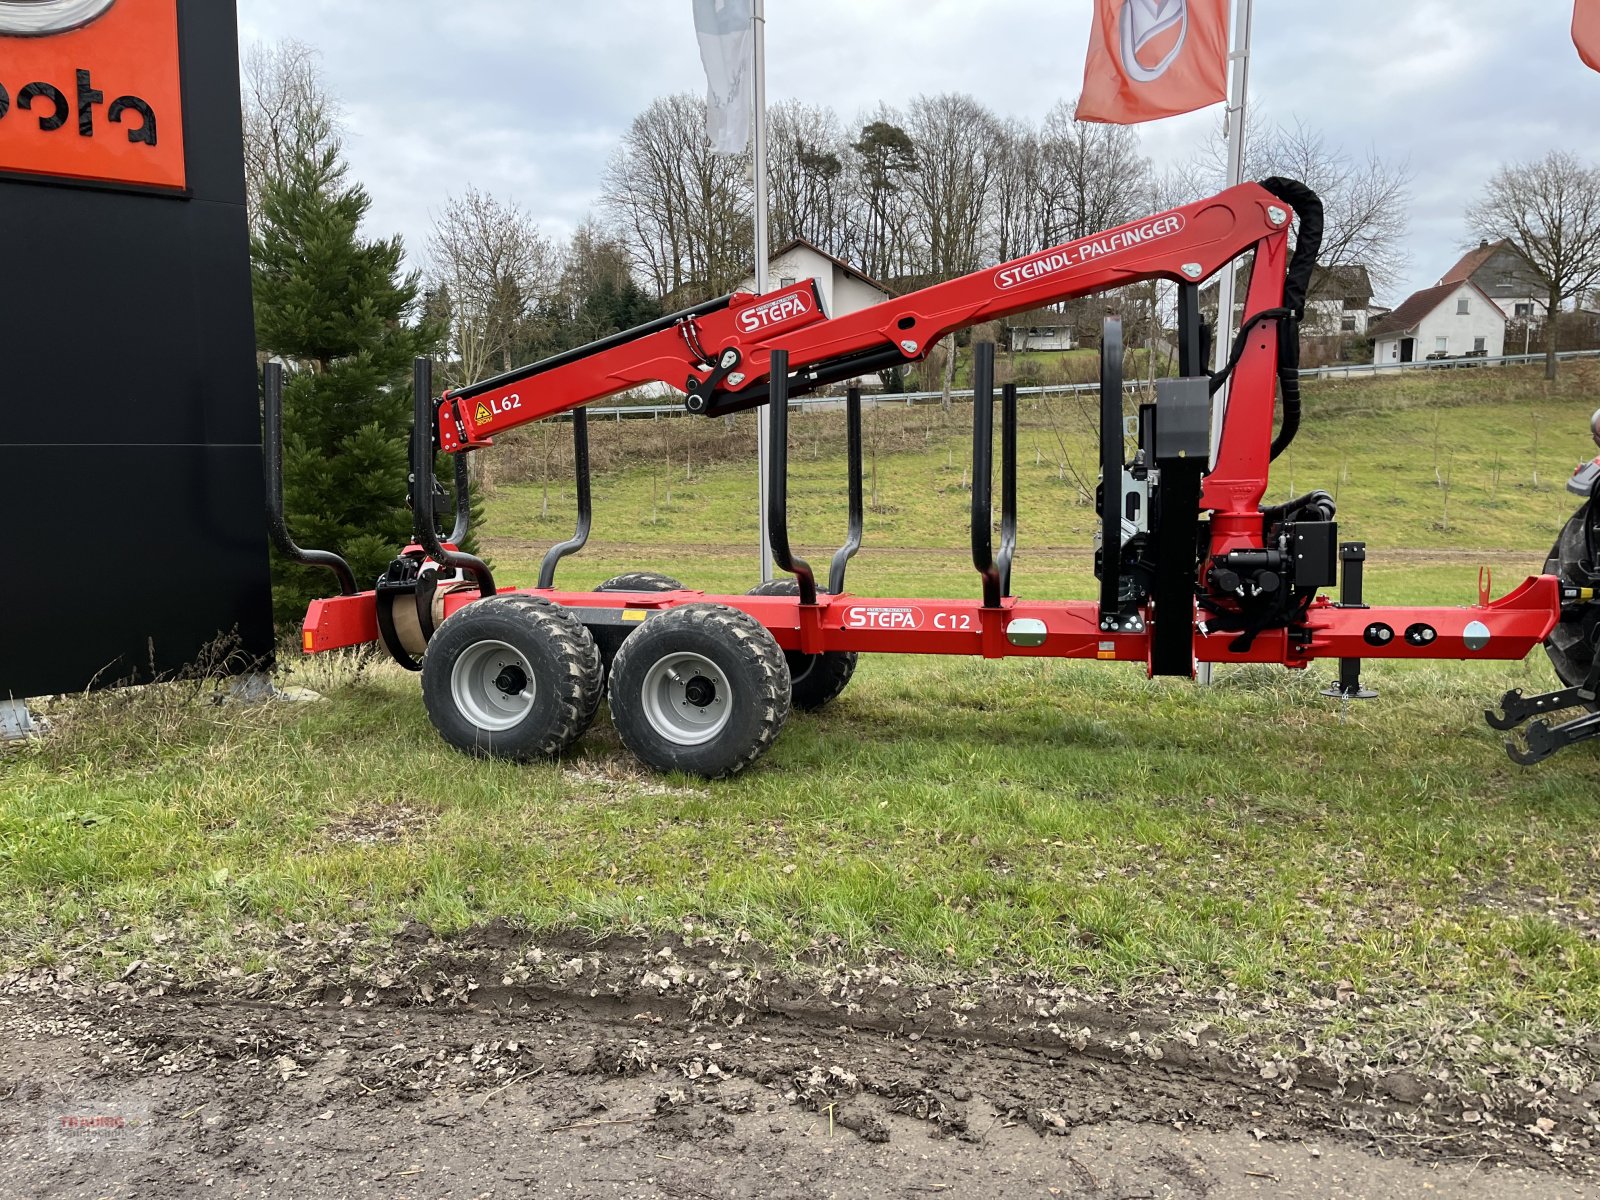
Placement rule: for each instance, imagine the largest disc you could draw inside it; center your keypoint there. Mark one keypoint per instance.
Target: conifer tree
(338, 310)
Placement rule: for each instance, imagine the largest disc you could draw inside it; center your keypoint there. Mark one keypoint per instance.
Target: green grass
(1072, 818)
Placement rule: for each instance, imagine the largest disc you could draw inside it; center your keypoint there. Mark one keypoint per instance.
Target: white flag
(726, 48)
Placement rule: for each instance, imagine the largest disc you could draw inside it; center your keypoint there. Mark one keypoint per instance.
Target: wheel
(702, 688)
(1571, 644)
(610, 637)
(504, 678)
(595, 668)
(814, 679)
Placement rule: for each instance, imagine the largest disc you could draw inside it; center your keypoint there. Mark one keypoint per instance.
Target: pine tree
(337, 309)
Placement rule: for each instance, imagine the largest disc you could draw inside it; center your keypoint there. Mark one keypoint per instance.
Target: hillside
(1436, 471)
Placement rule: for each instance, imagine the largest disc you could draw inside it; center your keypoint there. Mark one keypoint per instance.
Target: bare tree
(494, 263)
(288, 113)
(682, 210)
(808, 184)
(1366, 201)
(1091, 176)
(1015, 200)
(956, 144)
(1550, 208)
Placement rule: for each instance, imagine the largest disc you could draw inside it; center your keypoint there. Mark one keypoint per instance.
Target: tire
(1571, 644)
(814, 679)
(610, 637)
(504, 678)
(595, 669)
(719, 719)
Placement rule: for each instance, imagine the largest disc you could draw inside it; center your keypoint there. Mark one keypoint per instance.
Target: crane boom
(720, 352)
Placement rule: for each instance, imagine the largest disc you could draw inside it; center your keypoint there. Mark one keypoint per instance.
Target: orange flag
(1586, 31)
(1157, 58)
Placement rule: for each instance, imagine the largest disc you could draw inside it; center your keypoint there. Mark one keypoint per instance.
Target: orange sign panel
(91, 89)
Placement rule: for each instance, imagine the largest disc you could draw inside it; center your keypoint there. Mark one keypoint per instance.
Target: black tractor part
(1571, 644)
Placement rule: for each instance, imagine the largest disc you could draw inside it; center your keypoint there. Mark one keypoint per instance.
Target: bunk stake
(778, 500)
(852, 541)
(580, 467)
(983, 473)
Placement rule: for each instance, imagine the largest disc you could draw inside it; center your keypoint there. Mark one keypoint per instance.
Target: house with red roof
(1503, 273)
(1449, 320)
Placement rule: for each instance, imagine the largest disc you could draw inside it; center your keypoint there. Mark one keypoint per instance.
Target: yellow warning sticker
(634, 614)
(482, 415)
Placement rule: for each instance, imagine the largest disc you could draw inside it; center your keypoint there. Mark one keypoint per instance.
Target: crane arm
(720, 353)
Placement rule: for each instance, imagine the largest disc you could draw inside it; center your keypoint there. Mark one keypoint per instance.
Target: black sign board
(130, 440)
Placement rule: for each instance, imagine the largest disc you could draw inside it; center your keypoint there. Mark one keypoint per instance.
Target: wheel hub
(511, 680)
(685, 697)
(493, 685)
(700, 691)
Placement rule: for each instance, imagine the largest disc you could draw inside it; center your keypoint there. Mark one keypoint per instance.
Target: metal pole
(1234, 131)
(759, 167)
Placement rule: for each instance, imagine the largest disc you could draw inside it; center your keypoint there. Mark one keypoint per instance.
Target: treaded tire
(730, 644)
(1571, 644)
(596, 670)
(610, 637)
(554, 656)
(814, 679)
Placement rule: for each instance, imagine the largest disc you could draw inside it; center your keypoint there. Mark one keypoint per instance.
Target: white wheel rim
(493, 685)
(687, 699)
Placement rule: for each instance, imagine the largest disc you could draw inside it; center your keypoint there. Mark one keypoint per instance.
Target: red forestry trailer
(1193, 566)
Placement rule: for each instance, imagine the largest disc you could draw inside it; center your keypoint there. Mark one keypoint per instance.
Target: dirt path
(675, 1070)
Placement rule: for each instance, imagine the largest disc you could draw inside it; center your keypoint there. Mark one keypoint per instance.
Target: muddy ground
(498, 1066)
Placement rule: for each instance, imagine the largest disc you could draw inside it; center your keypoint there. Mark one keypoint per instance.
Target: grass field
(1070, 818)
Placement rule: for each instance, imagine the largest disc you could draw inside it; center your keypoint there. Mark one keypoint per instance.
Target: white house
(1450, 320)
(844, 289)
(1503, 274)
(1340, 301)
(1043, 337)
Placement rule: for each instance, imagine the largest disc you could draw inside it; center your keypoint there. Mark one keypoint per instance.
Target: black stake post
(778, 502)
(463, 525)
(1008, 484)
(580, 466)
(277, 526)
(983, 472)
(852, 541)
(1348, 687)
(1111, 463)
(423, 518)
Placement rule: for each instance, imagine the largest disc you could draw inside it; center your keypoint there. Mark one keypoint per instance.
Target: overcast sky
(526, 99)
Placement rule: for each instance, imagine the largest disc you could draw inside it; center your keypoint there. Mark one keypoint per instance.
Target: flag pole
(759, 168)
(1234, 132)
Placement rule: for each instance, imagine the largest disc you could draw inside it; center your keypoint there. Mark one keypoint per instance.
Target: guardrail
(1356, 370)
(642, 412)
